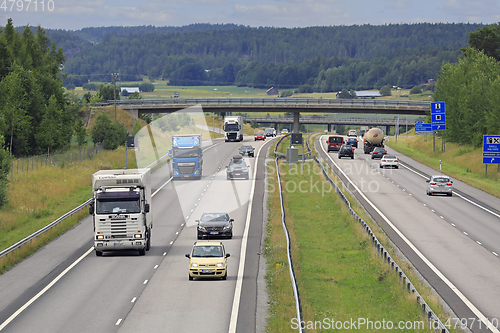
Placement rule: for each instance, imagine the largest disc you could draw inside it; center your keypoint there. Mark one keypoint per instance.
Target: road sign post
(438, 120)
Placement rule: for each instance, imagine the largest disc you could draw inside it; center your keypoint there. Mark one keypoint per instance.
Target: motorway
(451, 241)
(65, 287)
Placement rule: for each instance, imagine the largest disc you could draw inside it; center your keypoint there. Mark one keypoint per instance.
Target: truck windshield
(231, 127)
(186, 152)
(118, 203)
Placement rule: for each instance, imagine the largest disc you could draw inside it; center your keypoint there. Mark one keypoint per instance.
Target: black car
(237, 168)
(378, 152)
(346, 151)
(247, 149)
(215, 224)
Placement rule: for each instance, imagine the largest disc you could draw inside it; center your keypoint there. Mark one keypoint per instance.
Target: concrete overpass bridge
(295, 106)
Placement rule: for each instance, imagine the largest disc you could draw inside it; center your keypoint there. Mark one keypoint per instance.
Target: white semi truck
(233, 126)
(121, 210)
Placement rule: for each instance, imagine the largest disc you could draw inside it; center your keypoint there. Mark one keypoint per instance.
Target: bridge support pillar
(276, 126)
(296, 124)
(387, 130)
(329, 128)
(133, 112)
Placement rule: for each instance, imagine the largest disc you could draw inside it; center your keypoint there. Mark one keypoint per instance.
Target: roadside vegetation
(461, 161)
(340, 276)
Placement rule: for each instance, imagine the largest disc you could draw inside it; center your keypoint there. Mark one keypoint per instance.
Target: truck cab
(187, 156)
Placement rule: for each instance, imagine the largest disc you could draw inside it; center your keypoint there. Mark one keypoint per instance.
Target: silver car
(439, 184)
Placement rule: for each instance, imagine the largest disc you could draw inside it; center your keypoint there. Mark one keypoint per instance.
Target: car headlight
(227, 227)
(201, 228)
(220, 264)
(99, 237)
(194, 265)
(176, 172)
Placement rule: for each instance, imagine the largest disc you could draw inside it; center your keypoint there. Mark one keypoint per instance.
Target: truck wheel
(142, 252)
(148, 242)
(98, 253)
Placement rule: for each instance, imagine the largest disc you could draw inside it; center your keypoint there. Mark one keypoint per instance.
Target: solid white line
(469, 304)
(239, 280)
(21, 309)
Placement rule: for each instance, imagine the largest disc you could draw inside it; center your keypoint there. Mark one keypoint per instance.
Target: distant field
(163, 90)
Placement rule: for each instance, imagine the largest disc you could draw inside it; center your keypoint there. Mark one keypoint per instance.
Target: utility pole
(114, 88)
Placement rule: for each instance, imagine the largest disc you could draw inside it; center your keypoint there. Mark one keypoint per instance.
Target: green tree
(81, 132)
(111, 134)
(107, 92)
(146, 117)
(487, 39)
(470, 91)
(5, 165)
(385, 91)
(50, 133)
(345, 94)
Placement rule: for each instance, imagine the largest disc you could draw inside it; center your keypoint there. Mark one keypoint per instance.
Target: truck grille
(186, 170)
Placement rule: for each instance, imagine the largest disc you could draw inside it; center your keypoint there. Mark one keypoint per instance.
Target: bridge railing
(257, 102)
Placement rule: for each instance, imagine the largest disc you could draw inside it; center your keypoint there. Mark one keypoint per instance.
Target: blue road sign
(422, 129)
(491, 149)
(438, 116)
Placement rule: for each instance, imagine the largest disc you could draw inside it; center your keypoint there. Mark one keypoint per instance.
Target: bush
(416, 90)
(111, 134)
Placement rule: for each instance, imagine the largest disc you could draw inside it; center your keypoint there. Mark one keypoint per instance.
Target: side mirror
(170, 152)
(427, 181)
(197, 221)
(227, 255)
(231, 220)
(91, 209)
(146, 208)
(227, 166)
(188, 256)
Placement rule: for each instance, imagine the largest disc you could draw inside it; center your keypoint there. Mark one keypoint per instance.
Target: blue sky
(74, 15)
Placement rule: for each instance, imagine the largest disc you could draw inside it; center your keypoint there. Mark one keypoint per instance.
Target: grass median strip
(343, 284)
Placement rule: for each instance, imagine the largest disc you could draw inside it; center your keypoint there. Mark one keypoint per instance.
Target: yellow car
(284, 131)
(208, 260)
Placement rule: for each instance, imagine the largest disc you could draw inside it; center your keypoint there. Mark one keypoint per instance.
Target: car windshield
(237, 162)
(207, 251)
(441, 179)
(260, 133)
(335, 140)
(246, 148)
(389, 157)
(214, 217)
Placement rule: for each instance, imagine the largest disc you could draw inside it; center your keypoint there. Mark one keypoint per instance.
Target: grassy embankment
(462, 162)
(339, 274)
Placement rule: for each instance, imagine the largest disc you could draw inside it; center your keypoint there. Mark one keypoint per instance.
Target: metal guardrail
(296, 294)
(278, 102)
(44, 229)
(384, 254)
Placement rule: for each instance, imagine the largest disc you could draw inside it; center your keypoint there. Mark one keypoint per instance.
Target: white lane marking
(466, 233)
(145, 282)
(118, 322)
(171, 242)
(455, 193)
(156, 266)
(469, 304)
(495, 253)
(239, 280)
(478, 242)
(22, 308)
(133, 300)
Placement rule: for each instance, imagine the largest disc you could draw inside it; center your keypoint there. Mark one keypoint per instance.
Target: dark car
(237, 168)
(270, 132)
(378, 152)
(346, 151)
(352, 142)
(247, 149)
(215, 224)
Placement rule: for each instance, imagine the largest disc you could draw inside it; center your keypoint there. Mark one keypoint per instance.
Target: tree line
(318, 58)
